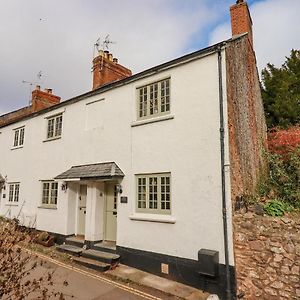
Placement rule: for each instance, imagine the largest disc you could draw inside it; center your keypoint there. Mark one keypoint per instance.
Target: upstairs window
(54, 127)
(154, 193)
(19, 137)
(50, 192)
(154, 99)
(13, 192)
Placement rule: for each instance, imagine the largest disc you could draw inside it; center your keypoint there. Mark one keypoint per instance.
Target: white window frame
(54, 127)
(49, 193)
(150, 199)
(19, 136)
(13, 192)
(154, 99)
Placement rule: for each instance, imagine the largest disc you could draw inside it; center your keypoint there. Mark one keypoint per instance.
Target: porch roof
(106, 170)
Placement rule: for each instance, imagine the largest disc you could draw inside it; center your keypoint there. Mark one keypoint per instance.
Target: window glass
(154, 99)
(154, 193)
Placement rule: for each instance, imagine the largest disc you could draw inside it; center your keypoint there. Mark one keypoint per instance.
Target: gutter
(224, 200)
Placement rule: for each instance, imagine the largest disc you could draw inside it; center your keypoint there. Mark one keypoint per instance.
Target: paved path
(87, 285)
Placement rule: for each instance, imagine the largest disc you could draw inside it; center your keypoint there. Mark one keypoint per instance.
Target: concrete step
(105, 247)
(105, 257)
(70, 249)
(92, 264)
(74, 241)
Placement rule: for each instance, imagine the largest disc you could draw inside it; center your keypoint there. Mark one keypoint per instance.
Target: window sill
(152, 120)
(17, 147)
(48, 207)
(52, 139)
(153, 218)
(11, 204)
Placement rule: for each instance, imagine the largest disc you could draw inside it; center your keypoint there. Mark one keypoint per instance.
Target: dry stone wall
(267, 254)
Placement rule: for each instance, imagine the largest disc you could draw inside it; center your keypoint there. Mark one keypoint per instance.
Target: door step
(70, 249)
(105, 257)
(92, 264)
(75, 241)
(97, 260)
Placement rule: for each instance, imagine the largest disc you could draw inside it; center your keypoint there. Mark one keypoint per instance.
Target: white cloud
(276, 29)
(57, 37)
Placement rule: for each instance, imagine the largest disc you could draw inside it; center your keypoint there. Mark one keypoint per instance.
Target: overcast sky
(57, 37)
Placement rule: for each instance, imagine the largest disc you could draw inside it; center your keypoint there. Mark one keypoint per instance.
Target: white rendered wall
(188, 146)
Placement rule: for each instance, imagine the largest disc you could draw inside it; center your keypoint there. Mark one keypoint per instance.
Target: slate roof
(105, 170)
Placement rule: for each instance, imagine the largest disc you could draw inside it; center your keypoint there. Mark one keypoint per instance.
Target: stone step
(70, 249)
(105, 257)
(92, 264)
(74, 241)
(105, 247)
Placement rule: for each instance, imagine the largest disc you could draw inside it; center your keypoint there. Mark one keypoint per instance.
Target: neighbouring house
(152, 161)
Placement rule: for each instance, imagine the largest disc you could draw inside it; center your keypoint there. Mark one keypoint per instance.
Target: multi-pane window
(154, 193)
(50, 189)
(19, 136)
(54, 127)
(13, 192)
(154, 99)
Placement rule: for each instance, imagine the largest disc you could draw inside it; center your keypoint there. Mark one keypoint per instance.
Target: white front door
(82, 209)
(111, 212)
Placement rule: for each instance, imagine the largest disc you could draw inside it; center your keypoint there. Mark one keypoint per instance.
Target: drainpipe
(224, 209)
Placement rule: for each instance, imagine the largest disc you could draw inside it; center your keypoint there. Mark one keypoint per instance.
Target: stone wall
(267, 253)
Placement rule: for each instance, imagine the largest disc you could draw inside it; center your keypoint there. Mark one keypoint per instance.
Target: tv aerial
(31, 83)
(102, 45)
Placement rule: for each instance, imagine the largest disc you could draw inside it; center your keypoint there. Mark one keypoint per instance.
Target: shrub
(282, 186)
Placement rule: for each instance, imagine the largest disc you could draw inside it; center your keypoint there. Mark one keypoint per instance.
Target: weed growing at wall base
(281, 188)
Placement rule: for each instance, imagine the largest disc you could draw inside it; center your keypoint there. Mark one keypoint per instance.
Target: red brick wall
(241, 20)
(246, 120)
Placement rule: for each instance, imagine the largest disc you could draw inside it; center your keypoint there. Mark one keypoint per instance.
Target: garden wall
(267, 253)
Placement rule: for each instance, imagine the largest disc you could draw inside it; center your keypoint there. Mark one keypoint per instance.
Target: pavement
(123, 283)
(161, 284)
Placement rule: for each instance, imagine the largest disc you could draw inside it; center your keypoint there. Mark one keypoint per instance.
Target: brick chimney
(40, 100)
(43, 99)
(241, 21)
(106, 69)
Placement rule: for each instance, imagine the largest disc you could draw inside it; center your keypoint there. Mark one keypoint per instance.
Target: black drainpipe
(222, 138)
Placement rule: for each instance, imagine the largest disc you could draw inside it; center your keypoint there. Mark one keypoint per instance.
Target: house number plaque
(124, 199)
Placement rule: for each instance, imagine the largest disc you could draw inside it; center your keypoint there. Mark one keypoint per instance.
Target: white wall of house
(187, 146)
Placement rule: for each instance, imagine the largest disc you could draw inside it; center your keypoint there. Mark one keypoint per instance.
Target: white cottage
(150, 162)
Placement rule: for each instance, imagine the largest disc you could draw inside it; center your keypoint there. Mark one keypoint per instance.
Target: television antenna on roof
(31, 83)
(102, 46)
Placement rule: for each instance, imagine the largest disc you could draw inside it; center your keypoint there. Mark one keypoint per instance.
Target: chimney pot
(110, 56)
(101, 52)
(38, 87)
(106, 52)
(49, 91)
(115, 60)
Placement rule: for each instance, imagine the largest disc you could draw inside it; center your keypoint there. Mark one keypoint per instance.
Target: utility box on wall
(209, 262)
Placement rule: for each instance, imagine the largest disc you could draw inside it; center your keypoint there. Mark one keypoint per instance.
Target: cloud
(276, 29)
(57, 38)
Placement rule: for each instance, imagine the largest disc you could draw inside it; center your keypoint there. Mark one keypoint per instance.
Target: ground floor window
(154, 193)
(50, 191)
(14, 191)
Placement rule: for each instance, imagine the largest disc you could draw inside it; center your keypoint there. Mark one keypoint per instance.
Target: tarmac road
(81, 284)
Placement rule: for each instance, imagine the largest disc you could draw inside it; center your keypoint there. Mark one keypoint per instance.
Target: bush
(282, 186)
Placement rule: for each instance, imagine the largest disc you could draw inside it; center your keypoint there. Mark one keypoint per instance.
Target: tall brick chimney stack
(241, 21)
(106, 69)
(43, 99)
